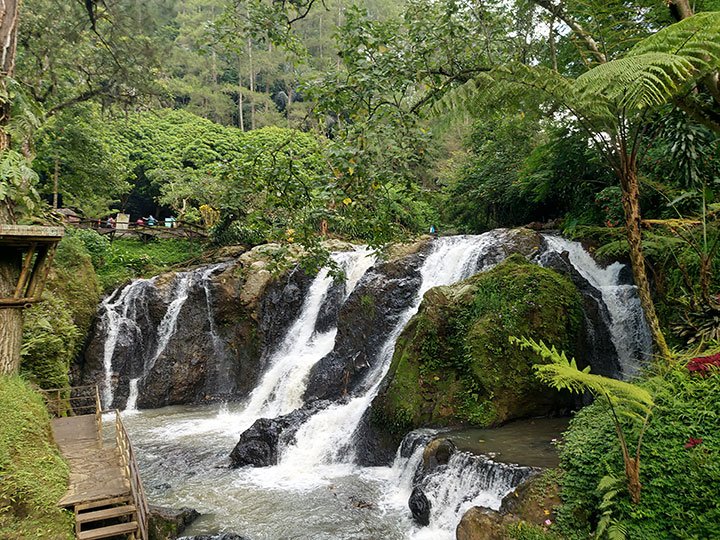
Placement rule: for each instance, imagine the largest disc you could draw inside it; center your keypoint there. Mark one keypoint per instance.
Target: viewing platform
(105, 490)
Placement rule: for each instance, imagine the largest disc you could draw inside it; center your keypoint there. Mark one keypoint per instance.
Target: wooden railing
(73, 401)
(127, 455)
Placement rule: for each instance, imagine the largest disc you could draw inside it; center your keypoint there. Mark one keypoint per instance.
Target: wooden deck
(105, 489)
(96, 472)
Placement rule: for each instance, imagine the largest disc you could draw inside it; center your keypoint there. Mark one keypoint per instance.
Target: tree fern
(625, 399)
(563, 374)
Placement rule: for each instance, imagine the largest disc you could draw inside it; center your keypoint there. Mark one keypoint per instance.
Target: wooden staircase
(106, 518)
(105, 491)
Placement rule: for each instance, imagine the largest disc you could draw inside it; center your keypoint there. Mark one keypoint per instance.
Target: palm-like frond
(655, 71)
(694, 37)
(636, 82)
(563, 374)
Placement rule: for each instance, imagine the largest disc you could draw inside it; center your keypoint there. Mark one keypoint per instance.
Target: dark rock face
(372, 447)
(258, 445)
(598, 350)
(419, 507)
(223, 331)
(167, 523)
(377, 302)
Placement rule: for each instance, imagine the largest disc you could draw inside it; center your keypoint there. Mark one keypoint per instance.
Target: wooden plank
(25, 274)
(108, 532)
(31, 231)
(99, 504)
(107, 513)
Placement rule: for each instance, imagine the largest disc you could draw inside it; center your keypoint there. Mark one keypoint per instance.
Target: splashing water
(628, 327)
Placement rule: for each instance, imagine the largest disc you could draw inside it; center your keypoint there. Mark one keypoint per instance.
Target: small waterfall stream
(628, 327)
(281, 388)
(327, 437)
(316, 490)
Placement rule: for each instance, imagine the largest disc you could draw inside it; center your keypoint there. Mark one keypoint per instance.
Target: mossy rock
(453, 364)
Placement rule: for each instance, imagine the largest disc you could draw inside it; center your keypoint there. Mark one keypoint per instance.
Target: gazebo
(37, 246)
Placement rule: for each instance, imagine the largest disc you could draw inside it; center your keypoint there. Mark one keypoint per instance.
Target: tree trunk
(10, 260)
(632, 474)
(56, 176)
(10, 318)
(631, 205)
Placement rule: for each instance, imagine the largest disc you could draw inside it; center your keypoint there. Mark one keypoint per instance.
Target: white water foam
(628, 328)
(326, 438)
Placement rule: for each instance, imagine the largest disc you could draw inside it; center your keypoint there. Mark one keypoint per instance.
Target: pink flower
(548, 522)
(692, 442)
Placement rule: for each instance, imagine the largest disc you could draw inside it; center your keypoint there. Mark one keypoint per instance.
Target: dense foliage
(680, 471)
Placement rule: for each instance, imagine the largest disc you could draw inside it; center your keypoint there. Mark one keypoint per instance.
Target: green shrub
(95, 244)
(34, 476)
(681, 485)
(128, 259)
(50, 341)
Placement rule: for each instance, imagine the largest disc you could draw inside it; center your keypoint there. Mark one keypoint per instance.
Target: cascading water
(326, 437)
(281, 388)
(347, 501)
(124, 314)
(628, 327)
(121, 312)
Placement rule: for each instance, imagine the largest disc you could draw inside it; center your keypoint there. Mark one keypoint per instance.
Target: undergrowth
(34, 476)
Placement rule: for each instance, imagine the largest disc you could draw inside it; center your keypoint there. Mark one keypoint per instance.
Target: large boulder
(259, 444)
(377, 302)
(453, 364)
(481, 524)
(227, 326)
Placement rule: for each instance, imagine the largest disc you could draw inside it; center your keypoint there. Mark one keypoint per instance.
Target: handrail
(127, 456)
(62, 402)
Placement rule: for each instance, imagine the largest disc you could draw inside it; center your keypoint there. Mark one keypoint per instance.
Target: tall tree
(10, 318)
(612, 102)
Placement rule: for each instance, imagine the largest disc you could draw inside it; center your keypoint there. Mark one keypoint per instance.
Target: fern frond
(695, 37)
(636, 82)
(563, 374)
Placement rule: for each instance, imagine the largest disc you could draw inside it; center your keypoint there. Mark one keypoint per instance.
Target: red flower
(692, 442)
(703, 364)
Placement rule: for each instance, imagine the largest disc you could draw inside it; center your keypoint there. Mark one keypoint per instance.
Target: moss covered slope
(453, 363)
(33, 476)
(53, 330)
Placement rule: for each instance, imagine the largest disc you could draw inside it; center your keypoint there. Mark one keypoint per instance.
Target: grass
(33, 476)
(127, 259)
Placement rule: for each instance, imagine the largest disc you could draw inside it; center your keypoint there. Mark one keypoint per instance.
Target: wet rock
(372, 447)
(167, 523)
(377, 302)
(597, 348)
(453, 363)
(419, 507)
(258, 445)
(224, 329)
(480, 524)
(438, 452)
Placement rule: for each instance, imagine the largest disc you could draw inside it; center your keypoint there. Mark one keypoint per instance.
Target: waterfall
(628, 327)
(125, 313)
(121, 312)
(327, 436)
(281, 388)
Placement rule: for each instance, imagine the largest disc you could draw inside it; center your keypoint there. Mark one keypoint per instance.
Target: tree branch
(558, 11)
